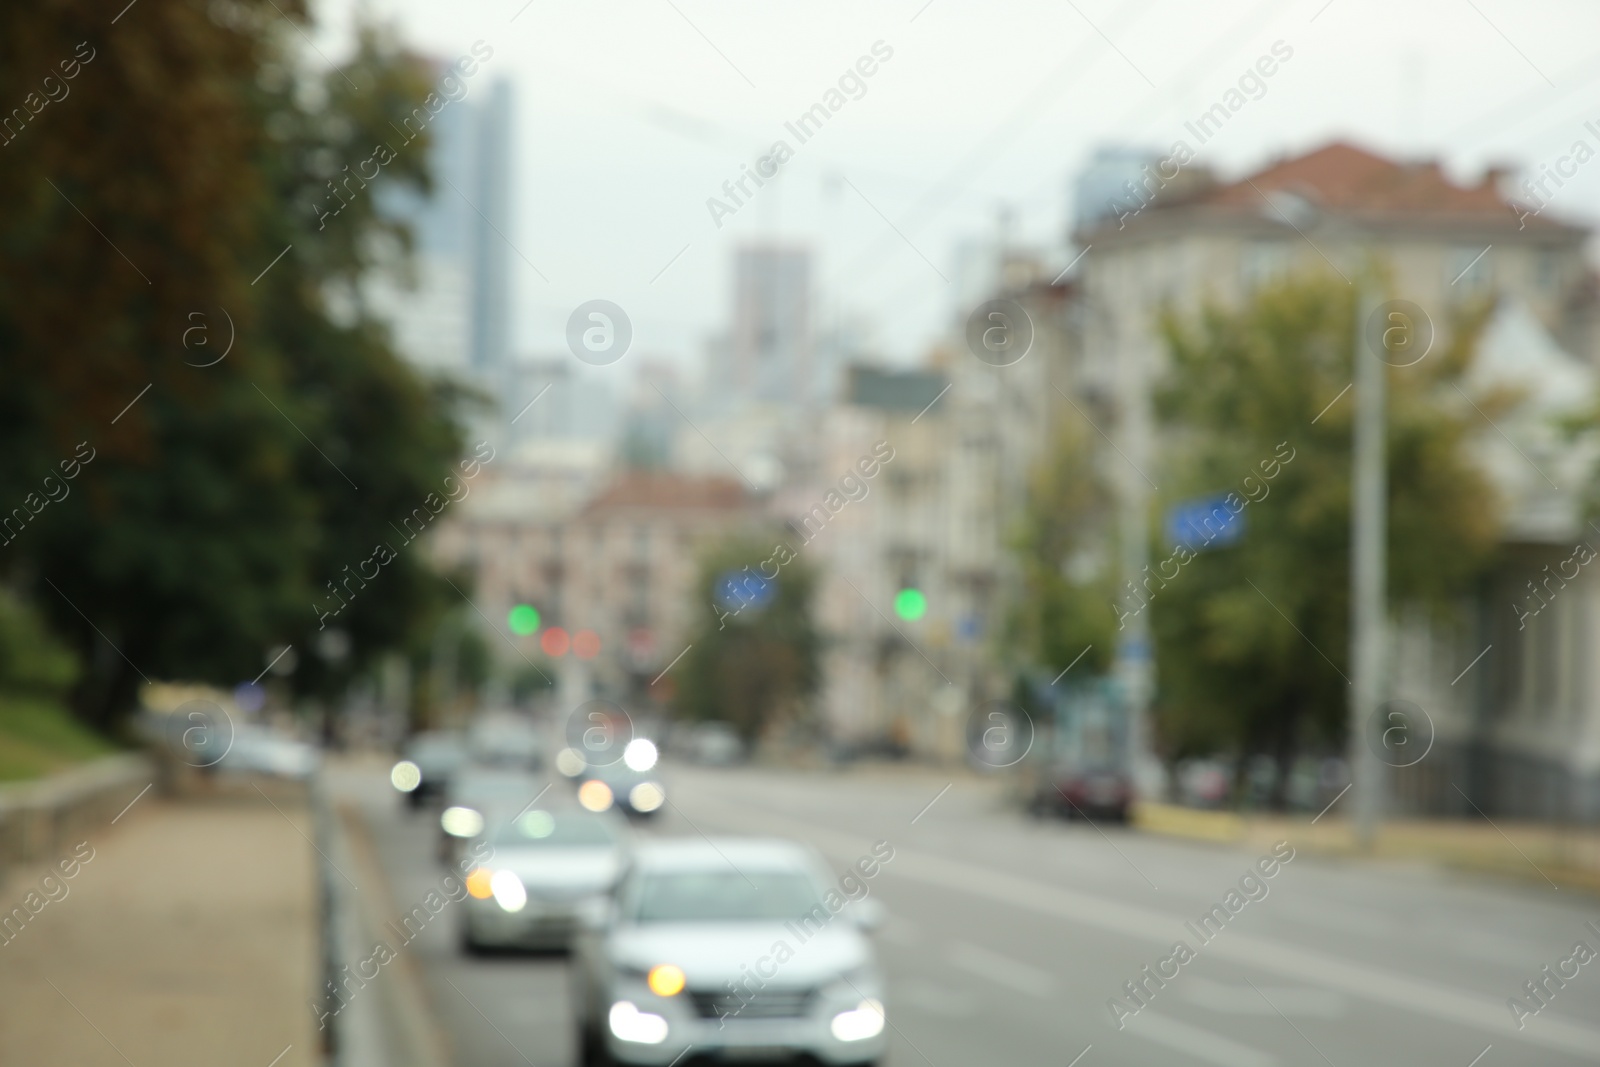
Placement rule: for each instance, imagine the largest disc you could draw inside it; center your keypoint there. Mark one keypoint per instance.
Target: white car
(725, 946)
(505, 740)
(545, 863)
(474, 791)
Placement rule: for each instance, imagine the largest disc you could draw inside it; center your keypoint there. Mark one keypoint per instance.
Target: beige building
(593, 549)
(1522, 730)
(937, 519)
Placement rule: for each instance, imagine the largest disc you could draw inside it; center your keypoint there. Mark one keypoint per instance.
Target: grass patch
(38, 737)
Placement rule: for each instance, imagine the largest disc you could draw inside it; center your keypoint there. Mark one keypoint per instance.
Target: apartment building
(1522, 730)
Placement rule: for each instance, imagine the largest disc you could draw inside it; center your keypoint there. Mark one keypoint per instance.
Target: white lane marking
(1195, 1042)
(932, 999)
(1160, 929)
(1002, 970)
(1242, 1000)
(902, 931)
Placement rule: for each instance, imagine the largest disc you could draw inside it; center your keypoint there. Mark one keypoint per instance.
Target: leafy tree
(755, 651)
(1067, 560)
(32, 663)
(167, 192)
(1252, 639)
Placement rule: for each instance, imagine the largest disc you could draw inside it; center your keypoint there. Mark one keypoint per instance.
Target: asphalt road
(1007, 937)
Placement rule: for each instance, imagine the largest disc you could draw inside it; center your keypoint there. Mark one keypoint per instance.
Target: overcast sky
(631, 113)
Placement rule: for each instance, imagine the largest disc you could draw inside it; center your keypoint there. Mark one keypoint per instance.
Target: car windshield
(720, 896)
(436, 750)
(487, 789)
(504, 742)
(556, 829)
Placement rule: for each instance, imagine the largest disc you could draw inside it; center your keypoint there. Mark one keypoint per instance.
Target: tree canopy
(1065, 550)
(755, 652)
(1251, 638)
(172, 305)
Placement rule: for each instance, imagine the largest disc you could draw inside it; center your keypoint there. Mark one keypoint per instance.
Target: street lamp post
(1368, 565)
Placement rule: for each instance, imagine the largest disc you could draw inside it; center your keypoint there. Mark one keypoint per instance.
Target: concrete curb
(1526, 852)
(391, 1024)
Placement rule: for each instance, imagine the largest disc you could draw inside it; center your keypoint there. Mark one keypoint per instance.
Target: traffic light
(910, 604)
(555, 642)
(523, 620)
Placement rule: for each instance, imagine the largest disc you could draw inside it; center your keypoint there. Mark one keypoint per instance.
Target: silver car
(727, 947)
(473, 792)
(545, 863)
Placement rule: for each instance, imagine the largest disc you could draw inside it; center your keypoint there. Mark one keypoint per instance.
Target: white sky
(627, 119)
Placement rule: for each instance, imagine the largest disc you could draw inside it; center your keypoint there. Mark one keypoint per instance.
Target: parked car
(1205, 783)
(1074, 791)
(545, 863)
(1086, 769)
(670, 961)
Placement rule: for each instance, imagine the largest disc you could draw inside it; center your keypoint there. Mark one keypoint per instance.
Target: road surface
(1007, 938)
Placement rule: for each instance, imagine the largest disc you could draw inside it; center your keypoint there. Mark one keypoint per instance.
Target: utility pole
(1135, 656)
(1368, 579)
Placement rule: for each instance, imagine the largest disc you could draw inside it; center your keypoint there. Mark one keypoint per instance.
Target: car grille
(764, 1004)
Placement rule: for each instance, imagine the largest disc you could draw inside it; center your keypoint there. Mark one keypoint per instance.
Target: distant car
(632, 783)
(685, 955)
(1079, 792)
(258, 750)
(715, 744)
(1205, 783)
(474, 791)
(512, 741)
(545, 863)
(430, 760)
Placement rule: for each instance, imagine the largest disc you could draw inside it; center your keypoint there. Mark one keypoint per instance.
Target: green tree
(1252, 639)
(167, 192)
(1066, 555)
(755, 651)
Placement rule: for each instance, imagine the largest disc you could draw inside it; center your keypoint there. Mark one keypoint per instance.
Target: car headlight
(646, 796)
(458, 821)
(480, 883)
(405, 776)
(595, 795)
(640, 755)
(570, 762)
(859, 1023)
(665, 980)
(628, 1023)
(508, 890)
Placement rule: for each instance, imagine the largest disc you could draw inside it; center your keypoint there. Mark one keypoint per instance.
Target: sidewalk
(188, 937)
(1568, 857)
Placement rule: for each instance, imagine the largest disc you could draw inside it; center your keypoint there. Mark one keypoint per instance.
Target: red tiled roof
(1343, 179)
(670, 492)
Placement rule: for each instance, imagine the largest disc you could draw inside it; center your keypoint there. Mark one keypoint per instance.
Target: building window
(1547, 271)
(1468, 270)
(1262, 262)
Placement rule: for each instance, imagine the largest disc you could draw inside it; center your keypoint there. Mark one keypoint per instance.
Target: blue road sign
(1204, 523)
(735, 590)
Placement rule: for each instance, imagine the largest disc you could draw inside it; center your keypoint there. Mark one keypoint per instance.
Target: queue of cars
(671, 940)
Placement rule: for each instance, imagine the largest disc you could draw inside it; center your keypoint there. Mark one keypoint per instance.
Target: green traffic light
(523, 620)
(910, 604)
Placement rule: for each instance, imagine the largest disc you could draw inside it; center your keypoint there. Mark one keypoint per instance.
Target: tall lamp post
(1375, 338)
